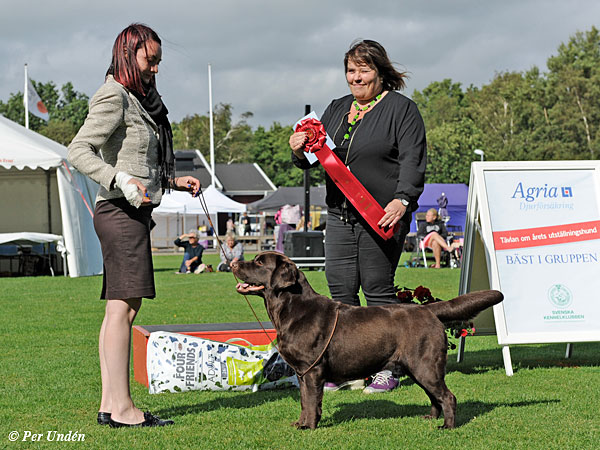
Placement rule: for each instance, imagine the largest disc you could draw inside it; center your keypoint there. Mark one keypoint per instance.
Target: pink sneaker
(382, 382)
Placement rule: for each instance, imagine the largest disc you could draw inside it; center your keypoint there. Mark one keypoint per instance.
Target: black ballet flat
(103, 418)
(149, 421)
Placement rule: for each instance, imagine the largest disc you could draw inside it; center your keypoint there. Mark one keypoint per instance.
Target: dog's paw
(303, 426)
(429, 417)
(299, 425)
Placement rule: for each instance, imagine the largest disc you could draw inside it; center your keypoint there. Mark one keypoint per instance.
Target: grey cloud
(273, 56)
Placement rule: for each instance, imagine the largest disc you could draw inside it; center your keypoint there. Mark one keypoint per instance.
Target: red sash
(354, 191)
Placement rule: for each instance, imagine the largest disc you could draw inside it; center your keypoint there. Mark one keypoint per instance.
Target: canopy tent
(179, 210)
(19, 239)
(41, 194)
(183, 203)
(177, 202)
(20, 148)
(457, 195)
(289, 196)
(28, 238)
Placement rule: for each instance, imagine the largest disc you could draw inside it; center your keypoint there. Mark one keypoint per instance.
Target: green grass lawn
(49, 379)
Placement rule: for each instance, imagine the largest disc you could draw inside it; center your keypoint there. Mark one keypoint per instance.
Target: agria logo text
(532, 193)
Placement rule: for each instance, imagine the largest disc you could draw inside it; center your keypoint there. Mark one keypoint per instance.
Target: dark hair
(374, 55)
(124, 66)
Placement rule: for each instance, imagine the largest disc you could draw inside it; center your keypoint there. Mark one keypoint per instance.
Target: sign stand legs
(569, 351)
(507, 361)
(461, 349)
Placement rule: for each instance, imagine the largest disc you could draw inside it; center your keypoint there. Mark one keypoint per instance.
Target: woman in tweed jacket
(125, 145)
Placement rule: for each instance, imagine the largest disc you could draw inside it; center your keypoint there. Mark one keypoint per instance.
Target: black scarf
(154, 106)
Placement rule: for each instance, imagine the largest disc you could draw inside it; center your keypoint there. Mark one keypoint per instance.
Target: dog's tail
(466, 306)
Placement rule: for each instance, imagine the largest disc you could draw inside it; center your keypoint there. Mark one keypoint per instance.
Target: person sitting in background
(192, 257)
(433, 234)
(232, 251)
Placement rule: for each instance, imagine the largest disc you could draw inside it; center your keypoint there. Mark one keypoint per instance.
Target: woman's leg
(437, 243)
(437, 253)
(435, 237)
(341, 261)
(106, 400)
(342, 273)
(183, 268)
(378, 261)
(115, 348)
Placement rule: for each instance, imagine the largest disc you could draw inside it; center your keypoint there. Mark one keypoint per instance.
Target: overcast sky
(272, 57)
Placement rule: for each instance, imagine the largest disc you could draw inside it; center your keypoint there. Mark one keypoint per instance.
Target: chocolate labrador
(323, 339)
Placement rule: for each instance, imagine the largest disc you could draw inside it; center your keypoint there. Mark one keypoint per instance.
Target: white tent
(40, 193)
(183, 203)
(218, 202)
(178, 202)
(179, 210)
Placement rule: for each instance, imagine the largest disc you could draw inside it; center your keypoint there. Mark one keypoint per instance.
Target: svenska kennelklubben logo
(560, 295)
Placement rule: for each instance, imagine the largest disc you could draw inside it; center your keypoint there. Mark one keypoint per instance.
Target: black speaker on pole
(304, 244)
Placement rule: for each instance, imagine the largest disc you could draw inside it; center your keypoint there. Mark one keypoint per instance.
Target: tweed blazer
(119, 128)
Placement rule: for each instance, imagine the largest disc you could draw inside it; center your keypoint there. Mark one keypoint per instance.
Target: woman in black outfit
(380, 136)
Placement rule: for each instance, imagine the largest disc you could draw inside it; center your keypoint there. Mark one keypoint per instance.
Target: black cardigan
(426, 227)
(387, 152)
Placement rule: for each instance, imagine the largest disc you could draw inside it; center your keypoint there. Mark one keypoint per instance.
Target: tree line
(519, 115)
(530, 115)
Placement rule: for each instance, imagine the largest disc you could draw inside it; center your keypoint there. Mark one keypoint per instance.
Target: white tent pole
(212, 137)
(26, 99)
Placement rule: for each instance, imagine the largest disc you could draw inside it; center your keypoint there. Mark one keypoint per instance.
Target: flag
(34, 102)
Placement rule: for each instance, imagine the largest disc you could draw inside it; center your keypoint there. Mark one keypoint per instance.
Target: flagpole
(25, 99)
(212, 138)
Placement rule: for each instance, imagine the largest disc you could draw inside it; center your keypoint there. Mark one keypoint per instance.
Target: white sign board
(540, 227)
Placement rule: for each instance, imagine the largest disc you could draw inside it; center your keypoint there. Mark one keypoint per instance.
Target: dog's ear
(284, 275)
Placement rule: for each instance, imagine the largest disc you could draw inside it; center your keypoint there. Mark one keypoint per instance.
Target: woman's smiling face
(364, 81)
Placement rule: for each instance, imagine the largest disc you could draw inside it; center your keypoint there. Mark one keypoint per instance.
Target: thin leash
(221, 249)
(220, 245)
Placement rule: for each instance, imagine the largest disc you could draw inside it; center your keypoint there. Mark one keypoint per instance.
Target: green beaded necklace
(358, 111)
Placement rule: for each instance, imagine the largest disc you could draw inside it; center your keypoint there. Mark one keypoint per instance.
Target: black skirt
(124, 233)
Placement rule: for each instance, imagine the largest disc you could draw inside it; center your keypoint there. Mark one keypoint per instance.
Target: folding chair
(415, 255)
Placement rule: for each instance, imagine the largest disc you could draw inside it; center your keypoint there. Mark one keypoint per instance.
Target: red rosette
(315, 132)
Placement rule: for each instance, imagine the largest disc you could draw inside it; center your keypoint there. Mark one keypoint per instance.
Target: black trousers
(355, 257)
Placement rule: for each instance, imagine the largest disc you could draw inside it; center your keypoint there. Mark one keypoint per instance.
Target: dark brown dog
(366, 340)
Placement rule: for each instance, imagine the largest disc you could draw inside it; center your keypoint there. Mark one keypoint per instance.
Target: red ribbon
(354, 191)
(315, 131)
